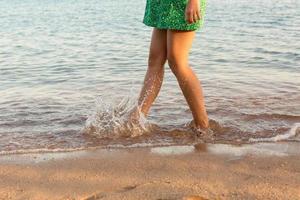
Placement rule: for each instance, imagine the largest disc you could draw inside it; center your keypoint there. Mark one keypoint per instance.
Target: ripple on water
(59, 57)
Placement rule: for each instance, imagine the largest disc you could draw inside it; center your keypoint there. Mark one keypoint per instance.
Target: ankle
(203, 124)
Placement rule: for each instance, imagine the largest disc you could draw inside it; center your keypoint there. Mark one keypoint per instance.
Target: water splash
(113, 119)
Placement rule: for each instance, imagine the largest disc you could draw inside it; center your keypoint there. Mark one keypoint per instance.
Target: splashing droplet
(115, 119)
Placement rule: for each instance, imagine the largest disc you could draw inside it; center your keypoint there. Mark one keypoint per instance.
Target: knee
(176, 63)
(156, 61)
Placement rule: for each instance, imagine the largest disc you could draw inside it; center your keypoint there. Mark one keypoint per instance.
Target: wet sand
(260, 171)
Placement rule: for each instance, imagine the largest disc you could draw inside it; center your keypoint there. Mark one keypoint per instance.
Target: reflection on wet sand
(260, 149)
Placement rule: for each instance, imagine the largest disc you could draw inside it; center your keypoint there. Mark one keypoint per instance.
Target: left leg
(178, 46)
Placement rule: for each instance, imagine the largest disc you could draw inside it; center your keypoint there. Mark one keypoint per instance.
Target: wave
(118, 123)
(171, 140)
(267, 116)
(43, 150)
(290, 135)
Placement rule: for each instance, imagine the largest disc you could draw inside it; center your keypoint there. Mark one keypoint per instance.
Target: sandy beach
(202, 171)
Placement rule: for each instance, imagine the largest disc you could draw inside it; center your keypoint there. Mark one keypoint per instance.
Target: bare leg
(155, 72)
(178, 46)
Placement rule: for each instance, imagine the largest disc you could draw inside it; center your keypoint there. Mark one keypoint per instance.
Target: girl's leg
(178, 46)
(155, 72)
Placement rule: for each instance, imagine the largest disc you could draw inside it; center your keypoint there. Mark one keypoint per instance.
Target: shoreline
(266, 148)
(208, 171)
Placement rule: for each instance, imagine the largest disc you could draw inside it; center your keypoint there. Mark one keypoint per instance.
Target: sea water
(71, 70)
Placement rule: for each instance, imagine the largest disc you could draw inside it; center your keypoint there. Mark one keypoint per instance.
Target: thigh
(158, 46)
(179, 44)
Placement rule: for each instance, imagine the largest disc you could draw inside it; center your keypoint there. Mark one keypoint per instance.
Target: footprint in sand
(194, 198)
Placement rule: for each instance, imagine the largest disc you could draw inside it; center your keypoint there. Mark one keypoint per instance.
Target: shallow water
(66, 66)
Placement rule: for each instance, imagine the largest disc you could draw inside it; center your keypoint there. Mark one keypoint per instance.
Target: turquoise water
(65, 65)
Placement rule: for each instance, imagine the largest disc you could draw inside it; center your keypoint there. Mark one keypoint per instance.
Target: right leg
(155, 72)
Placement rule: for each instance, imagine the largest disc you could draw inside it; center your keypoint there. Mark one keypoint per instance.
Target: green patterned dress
(170, 14)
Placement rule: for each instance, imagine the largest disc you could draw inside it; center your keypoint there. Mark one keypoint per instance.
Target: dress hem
(170, 28)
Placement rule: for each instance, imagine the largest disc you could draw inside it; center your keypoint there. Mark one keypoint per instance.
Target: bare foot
(134, 115)
(199, 130)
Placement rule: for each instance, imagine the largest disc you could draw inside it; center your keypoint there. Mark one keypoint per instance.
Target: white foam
(141, 145)
(172, 150)
(42, 150)
(293, 132)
